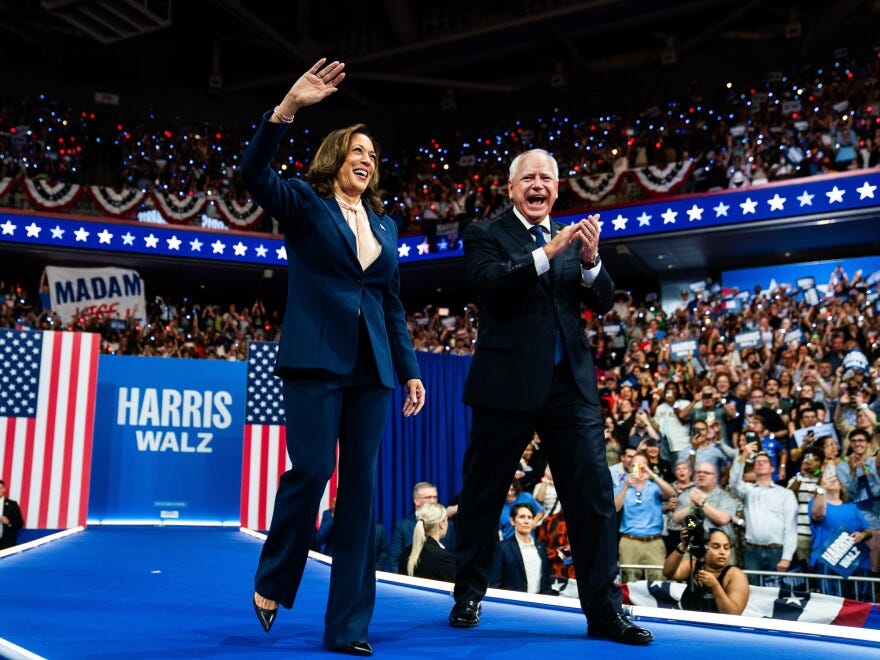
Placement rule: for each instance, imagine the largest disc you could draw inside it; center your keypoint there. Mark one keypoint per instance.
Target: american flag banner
(767, 603)
(47, 407)
(264, 457)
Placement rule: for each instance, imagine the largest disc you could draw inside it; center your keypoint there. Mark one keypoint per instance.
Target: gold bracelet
(283, 117)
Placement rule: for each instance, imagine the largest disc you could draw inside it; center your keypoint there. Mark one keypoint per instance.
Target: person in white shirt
(770, 513)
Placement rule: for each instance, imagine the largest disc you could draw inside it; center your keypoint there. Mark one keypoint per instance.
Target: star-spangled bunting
(264, 400)
(856, 190)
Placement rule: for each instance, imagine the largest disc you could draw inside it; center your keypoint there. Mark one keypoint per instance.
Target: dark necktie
(559, 352)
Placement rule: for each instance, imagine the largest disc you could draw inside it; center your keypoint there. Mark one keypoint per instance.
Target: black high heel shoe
(266, 617)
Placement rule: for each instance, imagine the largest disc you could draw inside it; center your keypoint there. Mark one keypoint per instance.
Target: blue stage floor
(178, 592)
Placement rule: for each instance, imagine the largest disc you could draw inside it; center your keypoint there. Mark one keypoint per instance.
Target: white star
(423, 247)
(104, 237)
(151, 241)
(669, 216)
(403, 251)
(619, 222)
(695, 213)
(195, 245)
(128, 238)
(282, 253)
(866, 190)
(218, 247)
(33, 230)
(8, 228)
(721, 209)
(835, 195)
(240, 249)
(81, 235)
(805, 198)
(57, 232)
(644, 220)
(794, 600)
(260, 250)
(173, 242)
(748, 206)
(776, 202)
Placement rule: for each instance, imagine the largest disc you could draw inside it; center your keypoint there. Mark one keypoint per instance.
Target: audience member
(426, 557)
(10, 519)
(520, 562)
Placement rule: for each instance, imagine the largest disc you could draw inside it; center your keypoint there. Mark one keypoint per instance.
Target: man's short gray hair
(514, 164)
(419, 486)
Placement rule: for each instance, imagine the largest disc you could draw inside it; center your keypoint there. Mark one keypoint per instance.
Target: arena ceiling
(416, 65)
(415, 58)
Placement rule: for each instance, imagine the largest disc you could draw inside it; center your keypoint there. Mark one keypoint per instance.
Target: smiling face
(358, 167)
(534, 186)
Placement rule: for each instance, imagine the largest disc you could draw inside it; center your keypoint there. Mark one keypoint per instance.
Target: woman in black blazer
(343, 341)
(426, 557)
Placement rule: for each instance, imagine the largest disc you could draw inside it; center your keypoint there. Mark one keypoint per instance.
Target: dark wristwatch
(589, 265)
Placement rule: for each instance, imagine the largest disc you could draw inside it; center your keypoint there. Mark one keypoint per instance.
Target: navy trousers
(320, 408)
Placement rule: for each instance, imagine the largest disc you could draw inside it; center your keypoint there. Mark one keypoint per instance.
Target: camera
(693, 523)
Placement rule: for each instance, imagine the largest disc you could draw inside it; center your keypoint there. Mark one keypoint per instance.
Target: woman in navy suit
(343, 340)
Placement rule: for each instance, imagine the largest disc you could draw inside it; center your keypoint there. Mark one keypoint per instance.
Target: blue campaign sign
(168, 440)
(840, 553)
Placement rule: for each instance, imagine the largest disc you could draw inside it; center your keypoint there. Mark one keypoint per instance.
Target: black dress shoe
(266, 617)
(465, 614)
(354, 648)
(618, 628)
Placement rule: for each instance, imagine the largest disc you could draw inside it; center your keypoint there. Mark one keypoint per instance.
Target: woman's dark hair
(720, 531)
(329, 159)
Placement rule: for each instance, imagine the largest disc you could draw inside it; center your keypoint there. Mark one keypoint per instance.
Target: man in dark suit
(402, 534)
(533, 371)
(520, 562)
(10, 519)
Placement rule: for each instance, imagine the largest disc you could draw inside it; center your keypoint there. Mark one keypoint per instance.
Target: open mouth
(361, 173)
(536, 200)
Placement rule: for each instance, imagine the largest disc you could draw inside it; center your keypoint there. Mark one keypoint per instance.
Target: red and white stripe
(264, 459)
(46, 459)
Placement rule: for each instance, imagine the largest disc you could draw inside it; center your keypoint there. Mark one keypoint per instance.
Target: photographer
(714, 584)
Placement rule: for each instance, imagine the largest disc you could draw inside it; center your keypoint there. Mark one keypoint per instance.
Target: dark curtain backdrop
(427, 447)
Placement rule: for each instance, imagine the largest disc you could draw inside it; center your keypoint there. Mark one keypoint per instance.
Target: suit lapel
(379, 227)
(517, 230)
(558, 264)
(338, 220)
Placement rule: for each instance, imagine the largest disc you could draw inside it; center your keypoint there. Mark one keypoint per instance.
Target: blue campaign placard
(168, 440)
(840, 553)
(682, 349)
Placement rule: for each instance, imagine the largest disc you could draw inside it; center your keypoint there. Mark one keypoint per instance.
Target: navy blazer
(509, 571)
(512, 368)
(326, 286)
(435, 563)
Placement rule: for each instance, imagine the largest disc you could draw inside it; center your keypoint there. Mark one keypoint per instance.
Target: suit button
(358, 282)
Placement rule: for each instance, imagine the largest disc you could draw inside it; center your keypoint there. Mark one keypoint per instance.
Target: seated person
(426, 557)
(401, 535)
(716, 586)
(520, 563)
(515, 495)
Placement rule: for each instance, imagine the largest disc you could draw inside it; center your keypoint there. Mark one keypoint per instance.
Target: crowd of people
(730, 433)
(798, 123)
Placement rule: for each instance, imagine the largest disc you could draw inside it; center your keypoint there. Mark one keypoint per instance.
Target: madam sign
(106, 292)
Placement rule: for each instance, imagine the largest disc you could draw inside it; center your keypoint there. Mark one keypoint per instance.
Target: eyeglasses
(710, 474)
